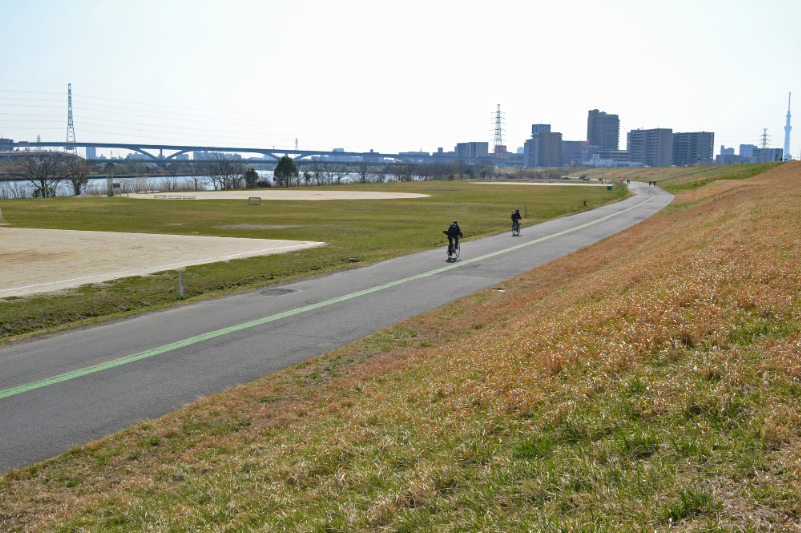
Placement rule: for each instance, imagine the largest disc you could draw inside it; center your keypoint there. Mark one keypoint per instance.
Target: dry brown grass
(649, 382)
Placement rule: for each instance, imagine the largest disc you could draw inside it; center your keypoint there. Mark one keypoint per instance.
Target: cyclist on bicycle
(453, 232)
(516, 218)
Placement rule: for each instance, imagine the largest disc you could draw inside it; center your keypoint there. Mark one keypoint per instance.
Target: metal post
(526, 211)
(181, 284)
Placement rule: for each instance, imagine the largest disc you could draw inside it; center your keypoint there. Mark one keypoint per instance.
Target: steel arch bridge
(275, 153)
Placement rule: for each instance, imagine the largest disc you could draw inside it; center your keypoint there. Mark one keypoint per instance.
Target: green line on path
(5, 393)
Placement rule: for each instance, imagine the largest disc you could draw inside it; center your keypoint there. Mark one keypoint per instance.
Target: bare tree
(328, 172)
(44, 170)
(78, 171)
(423, 172)
(9, 187)
(168, 183)
(381, 173)
(225, 171)
(403, 171)
(339, 171)
(441, 170)
(196, 177)
(318, 170)
(395, 171)
(364, 171)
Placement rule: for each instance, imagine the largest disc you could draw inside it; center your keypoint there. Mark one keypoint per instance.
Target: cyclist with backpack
(453, 232)
(516, 218)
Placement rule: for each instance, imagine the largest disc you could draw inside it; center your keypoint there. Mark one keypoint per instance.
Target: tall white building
(787, 128)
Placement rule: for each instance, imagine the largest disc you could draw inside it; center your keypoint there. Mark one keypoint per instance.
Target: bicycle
(515, 228)
(453, 250)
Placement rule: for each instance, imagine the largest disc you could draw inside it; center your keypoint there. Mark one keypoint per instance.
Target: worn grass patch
(650, 382)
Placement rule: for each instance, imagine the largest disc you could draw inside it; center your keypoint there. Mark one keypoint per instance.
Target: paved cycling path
(70, 388)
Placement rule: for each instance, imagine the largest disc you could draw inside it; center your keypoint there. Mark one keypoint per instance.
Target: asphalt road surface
(70, 388)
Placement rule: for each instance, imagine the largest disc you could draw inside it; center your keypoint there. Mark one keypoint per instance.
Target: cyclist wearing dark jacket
(453, 233)
(516, 218)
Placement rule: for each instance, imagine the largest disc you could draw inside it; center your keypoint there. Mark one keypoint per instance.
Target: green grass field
(650, 382)
(365, 230)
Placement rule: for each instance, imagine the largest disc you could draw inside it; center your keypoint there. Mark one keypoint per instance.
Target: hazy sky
(394, 75)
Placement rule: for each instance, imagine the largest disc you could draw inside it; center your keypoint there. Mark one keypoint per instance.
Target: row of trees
(46, 170)
(320, 171)
(224, 171)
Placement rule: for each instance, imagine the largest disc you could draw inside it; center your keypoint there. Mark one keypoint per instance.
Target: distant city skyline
(358, 76)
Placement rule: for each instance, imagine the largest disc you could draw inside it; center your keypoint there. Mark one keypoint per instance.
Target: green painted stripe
(5, 393)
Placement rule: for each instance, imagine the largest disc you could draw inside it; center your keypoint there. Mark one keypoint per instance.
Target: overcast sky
(394, 76)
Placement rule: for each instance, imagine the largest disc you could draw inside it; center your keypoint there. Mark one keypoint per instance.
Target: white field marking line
(19, 389)
(159, 267)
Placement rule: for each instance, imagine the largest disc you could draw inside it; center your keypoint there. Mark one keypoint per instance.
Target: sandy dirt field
(43, 260)
(273, 194)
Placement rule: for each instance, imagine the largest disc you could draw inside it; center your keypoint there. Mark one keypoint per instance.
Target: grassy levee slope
(649, 382)
(364, 230)
(678, 178)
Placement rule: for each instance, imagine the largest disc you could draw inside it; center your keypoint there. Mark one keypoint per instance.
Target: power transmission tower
(498, 138)
(765, 138)
(70, 148)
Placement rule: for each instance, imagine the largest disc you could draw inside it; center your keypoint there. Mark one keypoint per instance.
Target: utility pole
(70, 148)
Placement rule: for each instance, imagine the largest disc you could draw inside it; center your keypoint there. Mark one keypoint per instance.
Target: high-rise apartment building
(726, 151)
(728, 159)
(91, 152)
(767, 155)
(747, 150)
(603, 129)
(475, 149)
(613, 155)
(571, 153)
(693, 148)
(653, 147)
(544, 149)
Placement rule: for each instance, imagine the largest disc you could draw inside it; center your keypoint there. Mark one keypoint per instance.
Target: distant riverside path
(67, 389)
